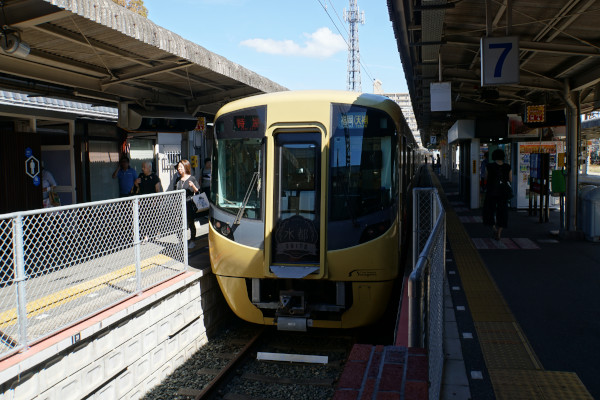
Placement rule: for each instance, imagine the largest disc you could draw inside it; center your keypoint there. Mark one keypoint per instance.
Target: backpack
(500, 185)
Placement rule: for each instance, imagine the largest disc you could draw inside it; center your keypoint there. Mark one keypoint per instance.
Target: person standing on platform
(50, 198)
(126, 176)
(495, 206)
(191, 186)
(147, 182)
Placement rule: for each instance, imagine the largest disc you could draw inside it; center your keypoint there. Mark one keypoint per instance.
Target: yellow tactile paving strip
(514, 369)
(56, 299)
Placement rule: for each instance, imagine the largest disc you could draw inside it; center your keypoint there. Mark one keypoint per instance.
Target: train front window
(235, 162)
(362, 162)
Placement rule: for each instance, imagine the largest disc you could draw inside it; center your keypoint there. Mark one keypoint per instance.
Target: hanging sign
(201, 125)
(536, 114)
(441, 96)
(32, 166)
(499, 60)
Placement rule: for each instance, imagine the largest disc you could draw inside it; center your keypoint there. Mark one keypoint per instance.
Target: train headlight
(374, 231)
(223, 228)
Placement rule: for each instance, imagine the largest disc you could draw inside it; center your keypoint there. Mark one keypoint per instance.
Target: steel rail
(217, 380)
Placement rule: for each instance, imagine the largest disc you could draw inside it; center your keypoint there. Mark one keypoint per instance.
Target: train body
(307, 206)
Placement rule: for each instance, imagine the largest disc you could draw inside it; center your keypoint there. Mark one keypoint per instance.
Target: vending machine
(525, 149)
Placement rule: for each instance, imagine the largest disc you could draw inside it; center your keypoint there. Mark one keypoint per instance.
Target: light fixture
(11, 43)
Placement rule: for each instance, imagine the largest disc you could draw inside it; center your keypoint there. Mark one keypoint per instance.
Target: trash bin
(583, 211)
(592, 206)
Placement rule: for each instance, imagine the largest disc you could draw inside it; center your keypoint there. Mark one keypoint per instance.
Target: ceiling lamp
(11, 43)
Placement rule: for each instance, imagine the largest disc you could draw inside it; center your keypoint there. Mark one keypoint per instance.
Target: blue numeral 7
(507, 48)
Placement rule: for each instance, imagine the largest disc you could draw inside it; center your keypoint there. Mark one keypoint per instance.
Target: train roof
(323, 96)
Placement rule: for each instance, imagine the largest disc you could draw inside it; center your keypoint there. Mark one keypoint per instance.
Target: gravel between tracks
(188, 376)
(231, 340)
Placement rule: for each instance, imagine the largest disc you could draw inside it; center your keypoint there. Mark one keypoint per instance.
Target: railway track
(229, 367)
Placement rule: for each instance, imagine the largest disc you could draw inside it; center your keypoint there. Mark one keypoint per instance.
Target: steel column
(136, 244)
(184, 229)
(20, 278)
(572, 101)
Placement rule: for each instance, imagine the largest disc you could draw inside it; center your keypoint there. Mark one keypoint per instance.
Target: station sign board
(536, 113)
(499, 60)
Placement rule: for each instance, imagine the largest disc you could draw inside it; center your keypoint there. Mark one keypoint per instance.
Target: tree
(136, 6)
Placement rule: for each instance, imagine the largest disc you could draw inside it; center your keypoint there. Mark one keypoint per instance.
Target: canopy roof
(559, 51)
(97, 51)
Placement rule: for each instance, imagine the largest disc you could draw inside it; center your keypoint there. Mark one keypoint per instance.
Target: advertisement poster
(523, 173)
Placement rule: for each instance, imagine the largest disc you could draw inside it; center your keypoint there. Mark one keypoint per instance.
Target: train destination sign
(246, 123)
(358, 120)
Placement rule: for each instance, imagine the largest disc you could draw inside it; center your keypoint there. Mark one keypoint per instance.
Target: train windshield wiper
(240, 213)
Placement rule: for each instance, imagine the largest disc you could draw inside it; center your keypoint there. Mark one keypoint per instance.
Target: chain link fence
(65, 264)
(426, 282)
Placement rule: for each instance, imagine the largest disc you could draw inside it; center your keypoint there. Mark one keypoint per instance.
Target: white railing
(426, 282)
(62, 265)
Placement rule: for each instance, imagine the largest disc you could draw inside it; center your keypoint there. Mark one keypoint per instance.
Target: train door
(296, 238)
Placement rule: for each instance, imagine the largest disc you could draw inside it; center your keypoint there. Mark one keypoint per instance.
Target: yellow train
(307, 206)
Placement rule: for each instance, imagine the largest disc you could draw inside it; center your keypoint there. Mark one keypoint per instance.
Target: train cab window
(235, 162)
(362, 162)
(238, 163)
(363, 175)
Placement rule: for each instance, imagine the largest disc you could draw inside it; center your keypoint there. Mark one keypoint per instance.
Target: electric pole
(354, 17)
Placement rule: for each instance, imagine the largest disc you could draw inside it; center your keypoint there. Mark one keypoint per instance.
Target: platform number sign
(499, 60)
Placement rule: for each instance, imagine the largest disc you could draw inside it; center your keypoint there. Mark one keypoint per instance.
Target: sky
(293, 43)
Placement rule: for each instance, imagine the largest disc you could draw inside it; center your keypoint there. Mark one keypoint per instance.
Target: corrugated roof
(100, 51)
(51, 104)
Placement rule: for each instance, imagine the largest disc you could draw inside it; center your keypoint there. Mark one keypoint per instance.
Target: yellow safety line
(39, 306)
(515, 371)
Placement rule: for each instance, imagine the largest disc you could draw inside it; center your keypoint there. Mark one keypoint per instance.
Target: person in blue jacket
(126, 175)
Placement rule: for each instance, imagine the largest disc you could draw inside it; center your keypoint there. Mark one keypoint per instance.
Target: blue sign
(28, 152)
(36, 181)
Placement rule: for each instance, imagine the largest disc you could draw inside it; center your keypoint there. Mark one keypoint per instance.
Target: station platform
(526, 306)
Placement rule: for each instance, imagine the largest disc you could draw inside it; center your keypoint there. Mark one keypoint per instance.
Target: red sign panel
(246, 123)
(536, 114)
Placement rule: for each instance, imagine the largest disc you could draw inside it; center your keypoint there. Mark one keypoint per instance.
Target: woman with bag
(191, 186)
(499, 192)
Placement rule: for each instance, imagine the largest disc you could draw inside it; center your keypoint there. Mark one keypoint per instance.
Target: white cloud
(320, 44)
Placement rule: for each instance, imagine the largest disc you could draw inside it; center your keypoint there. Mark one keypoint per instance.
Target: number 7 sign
(499, 60)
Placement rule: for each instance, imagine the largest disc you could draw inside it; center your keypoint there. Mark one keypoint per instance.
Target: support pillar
(474, 165)
(573, 127)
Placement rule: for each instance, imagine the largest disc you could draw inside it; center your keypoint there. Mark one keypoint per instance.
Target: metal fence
(62, 265)
(426, 282)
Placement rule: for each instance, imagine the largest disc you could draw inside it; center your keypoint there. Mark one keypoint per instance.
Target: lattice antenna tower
(354, 17)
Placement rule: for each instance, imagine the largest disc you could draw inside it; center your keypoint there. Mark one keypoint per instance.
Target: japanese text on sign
(353, 121)
(536, 114)
(246, 123)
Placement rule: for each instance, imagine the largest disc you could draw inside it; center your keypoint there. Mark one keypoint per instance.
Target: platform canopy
(559, 52)
(96, 51)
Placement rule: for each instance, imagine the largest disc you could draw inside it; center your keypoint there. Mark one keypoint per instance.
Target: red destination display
(246, 123)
